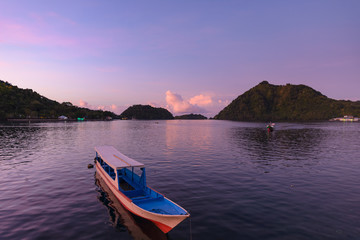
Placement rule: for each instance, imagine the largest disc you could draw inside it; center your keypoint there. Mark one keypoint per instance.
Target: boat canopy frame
(121, 164)
(116, 159)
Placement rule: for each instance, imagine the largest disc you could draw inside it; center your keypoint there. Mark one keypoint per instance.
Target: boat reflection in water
(138, 228)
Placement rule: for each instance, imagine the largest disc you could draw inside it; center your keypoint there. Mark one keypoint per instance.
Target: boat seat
(147, 199)
(132, 183)
(140, 198)
(134, 193)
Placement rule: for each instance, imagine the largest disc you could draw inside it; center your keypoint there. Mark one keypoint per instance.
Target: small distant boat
(346, 118)
(131, 190)
(270, 127)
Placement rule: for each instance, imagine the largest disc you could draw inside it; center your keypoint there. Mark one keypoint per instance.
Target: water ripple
(236, 180)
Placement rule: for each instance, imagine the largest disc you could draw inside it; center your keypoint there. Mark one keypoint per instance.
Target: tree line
(267, 102)
(25, 103)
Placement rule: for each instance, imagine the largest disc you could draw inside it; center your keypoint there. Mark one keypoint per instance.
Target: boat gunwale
(103, 173)
(187, 214)
(164, 215)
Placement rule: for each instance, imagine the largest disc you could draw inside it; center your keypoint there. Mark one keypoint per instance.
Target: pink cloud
(84, 104)
(18, 33)
(204, 104)
(112, 108)
(64, 38)
(152, 104)
(178, 105)
(201, 100)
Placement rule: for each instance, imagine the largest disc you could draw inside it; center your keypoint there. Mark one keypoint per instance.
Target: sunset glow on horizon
(186, 56)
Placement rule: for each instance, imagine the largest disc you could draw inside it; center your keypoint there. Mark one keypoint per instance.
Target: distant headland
(191, 117)
(264, 102)
(268, 102)
(17, 104)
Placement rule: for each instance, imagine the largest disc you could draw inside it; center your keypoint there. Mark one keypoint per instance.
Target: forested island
(264, 102)
(268, 102)
(18, 103)
(146, 112)
(191, 117)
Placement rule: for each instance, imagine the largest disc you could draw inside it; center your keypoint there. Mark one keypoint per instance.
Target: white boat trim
(165, 222)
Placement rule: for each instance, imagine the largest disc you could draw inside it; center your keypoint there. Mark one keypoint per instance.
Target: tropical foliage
(267, 102)
(146, 112)
(25, 103)
(191, 116)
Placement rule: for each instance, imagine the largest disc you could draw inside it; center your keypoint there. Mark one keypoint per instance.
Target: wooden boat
(137, 227)
(120, 175)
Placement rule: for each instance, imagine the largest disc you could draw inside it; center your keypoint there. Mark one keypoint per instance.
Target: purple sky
(187, 56)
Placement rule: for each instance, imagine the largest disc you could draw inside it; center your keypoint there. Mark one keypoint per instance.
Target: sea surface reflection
(236, 180)
(286, 147)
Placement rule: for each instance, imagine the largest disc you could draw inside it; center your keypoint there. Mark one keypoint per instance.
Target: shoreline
(38, 120)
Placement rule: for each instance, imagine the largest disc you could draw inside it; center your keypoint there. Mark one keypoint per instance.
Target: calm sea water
(238, 182)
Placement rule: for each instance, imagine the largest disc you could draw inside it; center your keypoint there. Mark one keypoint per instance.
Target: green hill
(25, 103)
(267, 102)
(191, 116)
(146, 112)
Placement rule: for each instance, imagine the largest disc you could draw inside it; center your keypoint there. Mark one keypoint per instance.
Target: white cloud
(84, 104)
(113, 107)
(153, 104)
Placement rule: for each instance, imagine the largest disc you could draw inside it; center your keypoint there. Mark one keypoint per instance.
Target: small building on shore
(62, 117)
(346, 118)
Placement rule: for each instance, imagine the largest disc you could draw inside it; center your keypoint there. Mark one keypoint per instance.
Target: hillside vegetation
(146, 112)
(191, 117)
(25, 103)
(267, 102)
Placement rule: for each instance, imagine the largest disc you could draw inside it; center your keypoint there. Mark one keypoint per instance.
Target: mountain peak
(264, 82)
(267, 102)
